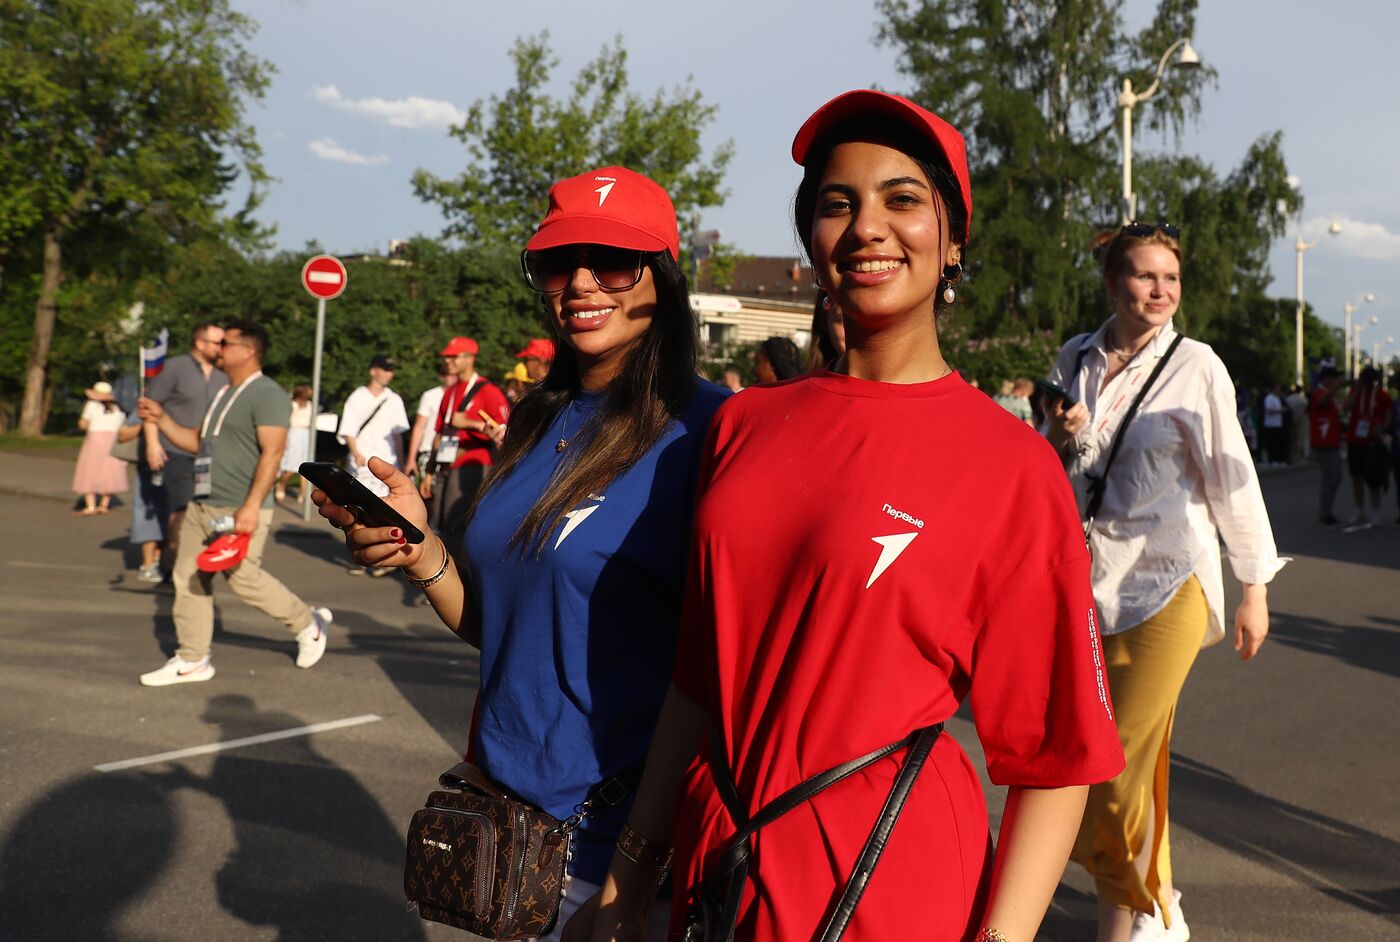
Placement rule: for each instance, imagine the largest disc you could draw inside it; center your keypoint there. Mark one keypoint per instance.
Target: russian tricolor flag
(153, 357)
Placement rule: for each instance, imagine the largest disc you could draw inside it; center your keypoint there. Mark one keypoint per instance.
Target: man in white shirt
(1275, 429)
(420, 440)
(372, 424)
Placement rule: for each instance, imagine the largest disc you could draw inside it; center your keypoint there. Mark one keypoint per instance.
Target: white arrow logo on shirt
(603, 191)
(574, 518)
(890, 548)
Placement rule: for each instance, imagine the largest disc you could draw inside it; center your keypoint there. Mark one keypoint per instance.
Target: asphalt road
(1286, 814)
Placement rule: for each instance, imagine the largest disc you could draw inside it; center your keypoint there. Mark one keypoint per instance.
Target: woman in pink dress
(98, 475)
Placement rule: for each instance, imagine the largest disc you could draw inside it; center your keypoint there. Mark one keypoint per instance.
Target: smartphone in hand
(368, 507)
(1051, 391)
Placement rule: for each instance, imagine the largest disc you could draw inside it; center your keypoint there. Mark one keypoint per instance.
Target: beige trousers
(194, 600)
(1147, 666)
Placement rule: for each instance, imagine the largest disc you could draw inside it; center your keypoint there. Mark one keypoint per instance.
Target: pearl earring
(949, 294)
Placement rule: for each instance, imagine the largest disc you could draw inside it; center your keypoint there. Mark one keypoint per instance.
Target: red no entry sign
(324, 276)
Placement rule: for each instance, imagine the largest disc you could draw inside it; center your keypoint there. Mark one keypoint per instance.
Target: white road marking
(237, 743)
(29, 564)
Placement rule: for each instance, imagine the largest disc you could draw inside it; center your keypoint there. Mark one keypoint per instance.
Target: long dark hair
(783, 356)
(933, 164)
(656, 380)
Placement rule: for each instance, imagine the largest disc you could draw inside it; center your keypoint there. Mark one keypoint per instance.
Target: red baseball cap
(865, 102)
(539, 348)
(610, 206)
(459, 345)
(224, 553)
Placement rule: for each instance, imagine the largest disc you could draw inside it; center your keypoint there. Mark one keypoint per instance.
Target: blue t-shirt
(577, 645)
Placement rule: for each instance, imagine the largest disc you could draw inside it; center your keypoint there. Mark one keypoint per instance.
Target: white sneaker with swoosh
(177, 671)
(311, 640)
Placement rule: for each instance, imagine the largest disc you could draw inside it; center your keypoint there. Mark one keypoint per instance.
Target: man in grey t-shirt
(184, 389)
(238, 447)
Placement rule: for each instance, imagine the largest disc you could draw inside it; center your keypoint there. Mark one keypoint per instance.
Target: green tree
(522, 141)
(117, 116)
(1033, 86)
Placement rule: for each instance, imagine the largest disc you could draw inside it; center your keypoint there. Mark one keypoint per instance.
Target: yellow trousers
(1147, 666)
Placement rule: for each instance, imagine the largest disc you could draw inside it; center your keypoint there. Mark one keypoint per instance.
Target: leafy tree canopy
(118, 113)
(1033, 86)
(521, 142)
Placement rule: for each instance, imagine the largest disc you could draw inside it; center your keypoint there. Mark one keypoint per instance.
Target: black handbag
(715, 910)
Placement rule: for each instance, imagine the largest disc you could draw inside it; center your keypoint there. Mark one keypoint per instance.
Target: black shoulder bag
(1098, 484)
(713, 915)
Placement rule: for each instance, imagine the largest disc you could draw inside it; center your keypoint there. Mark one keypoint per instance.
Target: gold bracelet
(992, 935)
(644, 853)
(437, 576)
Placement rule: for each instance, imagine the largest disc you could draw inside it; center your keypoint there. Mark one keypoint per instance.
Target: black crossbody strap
(365, 424)
(1098, 484)
(734, 867)
(880, 834)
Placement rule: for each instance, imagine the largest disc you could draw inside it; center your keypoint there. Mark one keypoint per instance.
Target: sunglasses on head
(1139, 230)
(549, 271)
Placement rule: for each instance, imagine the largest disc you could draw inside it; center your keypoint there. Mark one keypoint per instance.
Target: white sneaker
(177, 671)
(150, 573)
(311, 640)
(1150, 927)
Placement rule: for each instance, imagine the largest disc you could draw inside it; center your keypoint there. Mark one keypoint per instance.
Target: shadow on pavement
(1375, 647)
(316, 858)
(318, 542)
(1356, 867)
(433, 670)
(81, 855)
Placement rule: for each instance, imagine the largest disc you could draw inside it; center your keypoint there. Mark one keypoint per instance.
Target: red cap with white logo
(611, 206)
(224, 553)
(866, 102)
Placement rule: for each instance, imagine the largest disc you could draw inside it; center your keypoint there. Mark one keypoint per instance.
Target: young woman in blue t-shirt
(575, 550)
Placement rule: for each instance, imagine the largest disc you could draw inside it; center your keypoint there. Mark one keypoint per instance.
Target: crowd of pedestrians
(664, 576)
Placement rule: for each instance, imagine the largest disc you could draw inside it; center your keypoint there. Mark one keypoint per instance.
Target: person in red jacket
(1325, 440)
(466, 440)
(874, 543)
(1368, 423)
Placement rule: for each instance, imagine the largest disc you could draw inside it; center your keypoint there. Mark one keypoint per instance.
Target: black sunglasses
(548, 271)
(1137, 230)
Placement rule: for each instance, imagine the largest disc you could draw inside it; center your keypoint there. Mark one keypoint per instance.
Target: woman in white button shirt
(1182, 479)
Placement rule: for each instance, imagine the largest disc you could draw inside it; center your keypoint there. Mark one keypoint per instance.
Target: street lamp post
(1300, 247)
(1128, 99)
(1356, 344)
(1348, 309)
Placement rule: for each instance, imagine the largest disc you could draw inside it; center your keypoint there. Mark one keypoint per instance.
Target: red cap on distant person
(224, 553)
(459, 345)
(610, 206)
(865, 102)
(538, 348)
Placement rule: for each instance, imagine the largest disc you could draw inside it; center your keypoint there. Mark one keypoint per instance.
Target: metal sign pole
(315, 402)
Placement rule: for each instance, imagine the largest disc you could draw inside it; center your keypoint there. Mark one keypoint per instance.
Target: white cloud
(327, 149)
(1359, 239)
(411, 112)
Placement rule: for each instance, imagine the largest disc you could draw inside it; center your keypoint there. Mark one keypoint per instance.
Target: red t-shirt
(1324, 420)
(1370, 415)
(473, 447)
(865, 557)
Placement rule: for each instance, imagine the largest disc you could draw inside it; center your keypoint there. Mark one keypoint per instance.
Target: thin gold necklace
(563, 442)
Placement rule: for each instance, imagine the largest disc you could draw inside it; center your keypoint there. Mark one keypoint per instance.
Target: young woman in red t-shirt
(874, 544)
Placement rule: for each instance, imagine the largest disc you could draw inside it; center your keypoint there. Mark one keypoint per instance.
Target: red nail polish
(401, 541)
(396, 534)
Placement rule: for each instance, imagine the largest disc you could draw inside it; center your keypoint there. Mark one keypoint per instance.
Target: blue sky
(364, 92)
